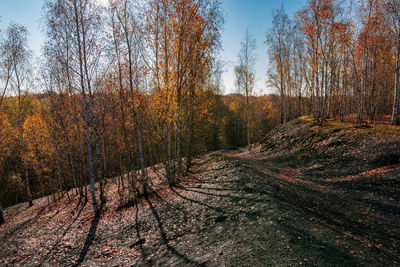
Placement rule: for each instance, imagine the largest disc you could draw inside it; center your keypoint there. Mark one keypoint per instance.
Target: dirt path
(360, 225)
(236, 210)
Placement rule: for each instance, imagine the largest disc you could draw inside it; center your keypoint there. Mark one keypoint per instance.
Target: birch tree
(245, 75)
(130, 28)
(4, 75)
(393, 17)
(79, 22)
(279, 49)
(16, 50)
(6, 71)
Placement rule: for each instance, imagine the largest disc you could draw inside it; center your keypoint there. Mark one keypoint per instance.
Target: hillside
(334, 151)
(308, 195)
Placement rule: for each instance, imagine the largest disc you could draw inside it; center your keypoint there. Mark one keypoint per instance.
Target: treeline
(336, 58)
(116, 90)
(56, 161)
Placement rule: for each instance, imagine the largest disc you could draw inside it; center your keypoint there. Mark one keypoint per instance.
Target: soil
(282, 204)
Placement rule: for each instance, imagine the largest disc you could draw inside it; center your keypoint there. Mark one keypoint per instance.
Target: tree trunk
(100, 156)
(2, 220)
(85, 110)
(28, 187)
(170, 171)
(395, 113)
(282, 89)
(21, 129)
(248, 116)
(190, 134)
(135, 111)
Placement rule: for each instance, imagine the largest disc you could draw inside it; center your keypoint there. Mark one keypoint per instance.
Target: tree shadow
(72, 222)
(90, 236)
(140, 239)
(319, 252)
(24, 225)
(341, 213)
(193, 200)
(164, 238)
(299, 203)
(227, 195)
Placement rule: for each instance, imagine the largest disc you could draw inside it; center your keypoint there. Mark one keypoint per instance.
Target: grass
(375, 130)
(307, 118)
(218, 158)
(334, 126)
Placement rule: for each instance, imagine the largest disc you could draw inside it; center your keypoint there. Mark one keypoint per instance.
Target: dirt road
(337, 221)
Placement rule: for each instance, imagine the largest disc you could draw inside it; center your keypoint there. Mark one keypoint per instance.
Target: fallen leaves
(365, 174)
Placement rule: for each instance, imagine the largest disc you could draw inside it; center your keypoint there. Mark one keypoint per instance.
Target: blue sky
(256, 15)
(27, 13)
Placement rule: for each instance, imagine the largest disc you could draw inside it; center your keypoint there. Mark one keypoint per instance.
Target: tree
(132, 42)
(8, 145)
(77, 23)
(393, 16)
(183, 37)
(244, 73)
(60, 78)
(2, 220)
(16, 50)
(323, 28)
(340, 58)
(280, 42)
(374, 58)
(6, 65)
(83, 19)
(8, 75)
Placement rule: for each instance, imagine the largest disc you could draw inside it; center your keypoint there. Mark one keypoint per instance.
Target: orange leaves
(162, 104)
(320, 18)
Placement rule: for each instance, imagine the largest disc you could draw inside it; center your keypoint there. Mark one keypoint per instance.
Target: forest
(116, 90)
(342, 56)
(131, 92)
(121, 88)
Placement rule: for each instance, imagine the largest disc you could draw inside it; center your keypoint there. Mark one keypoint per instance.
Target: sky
(239, 15)
(256, 16)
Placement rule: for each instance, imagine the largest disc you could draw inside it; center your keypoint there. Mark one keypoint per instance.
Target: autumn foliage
(118, 89)
(336, 58)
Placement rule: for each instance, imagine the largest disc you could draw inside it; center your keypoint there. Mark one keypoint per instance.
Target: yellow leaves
(234, 107)
(39, 148)
(35, 128)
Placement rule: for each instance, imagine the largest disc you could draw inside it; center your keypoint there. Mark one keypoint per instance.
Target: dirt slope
(291, 204)
(225, 215)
